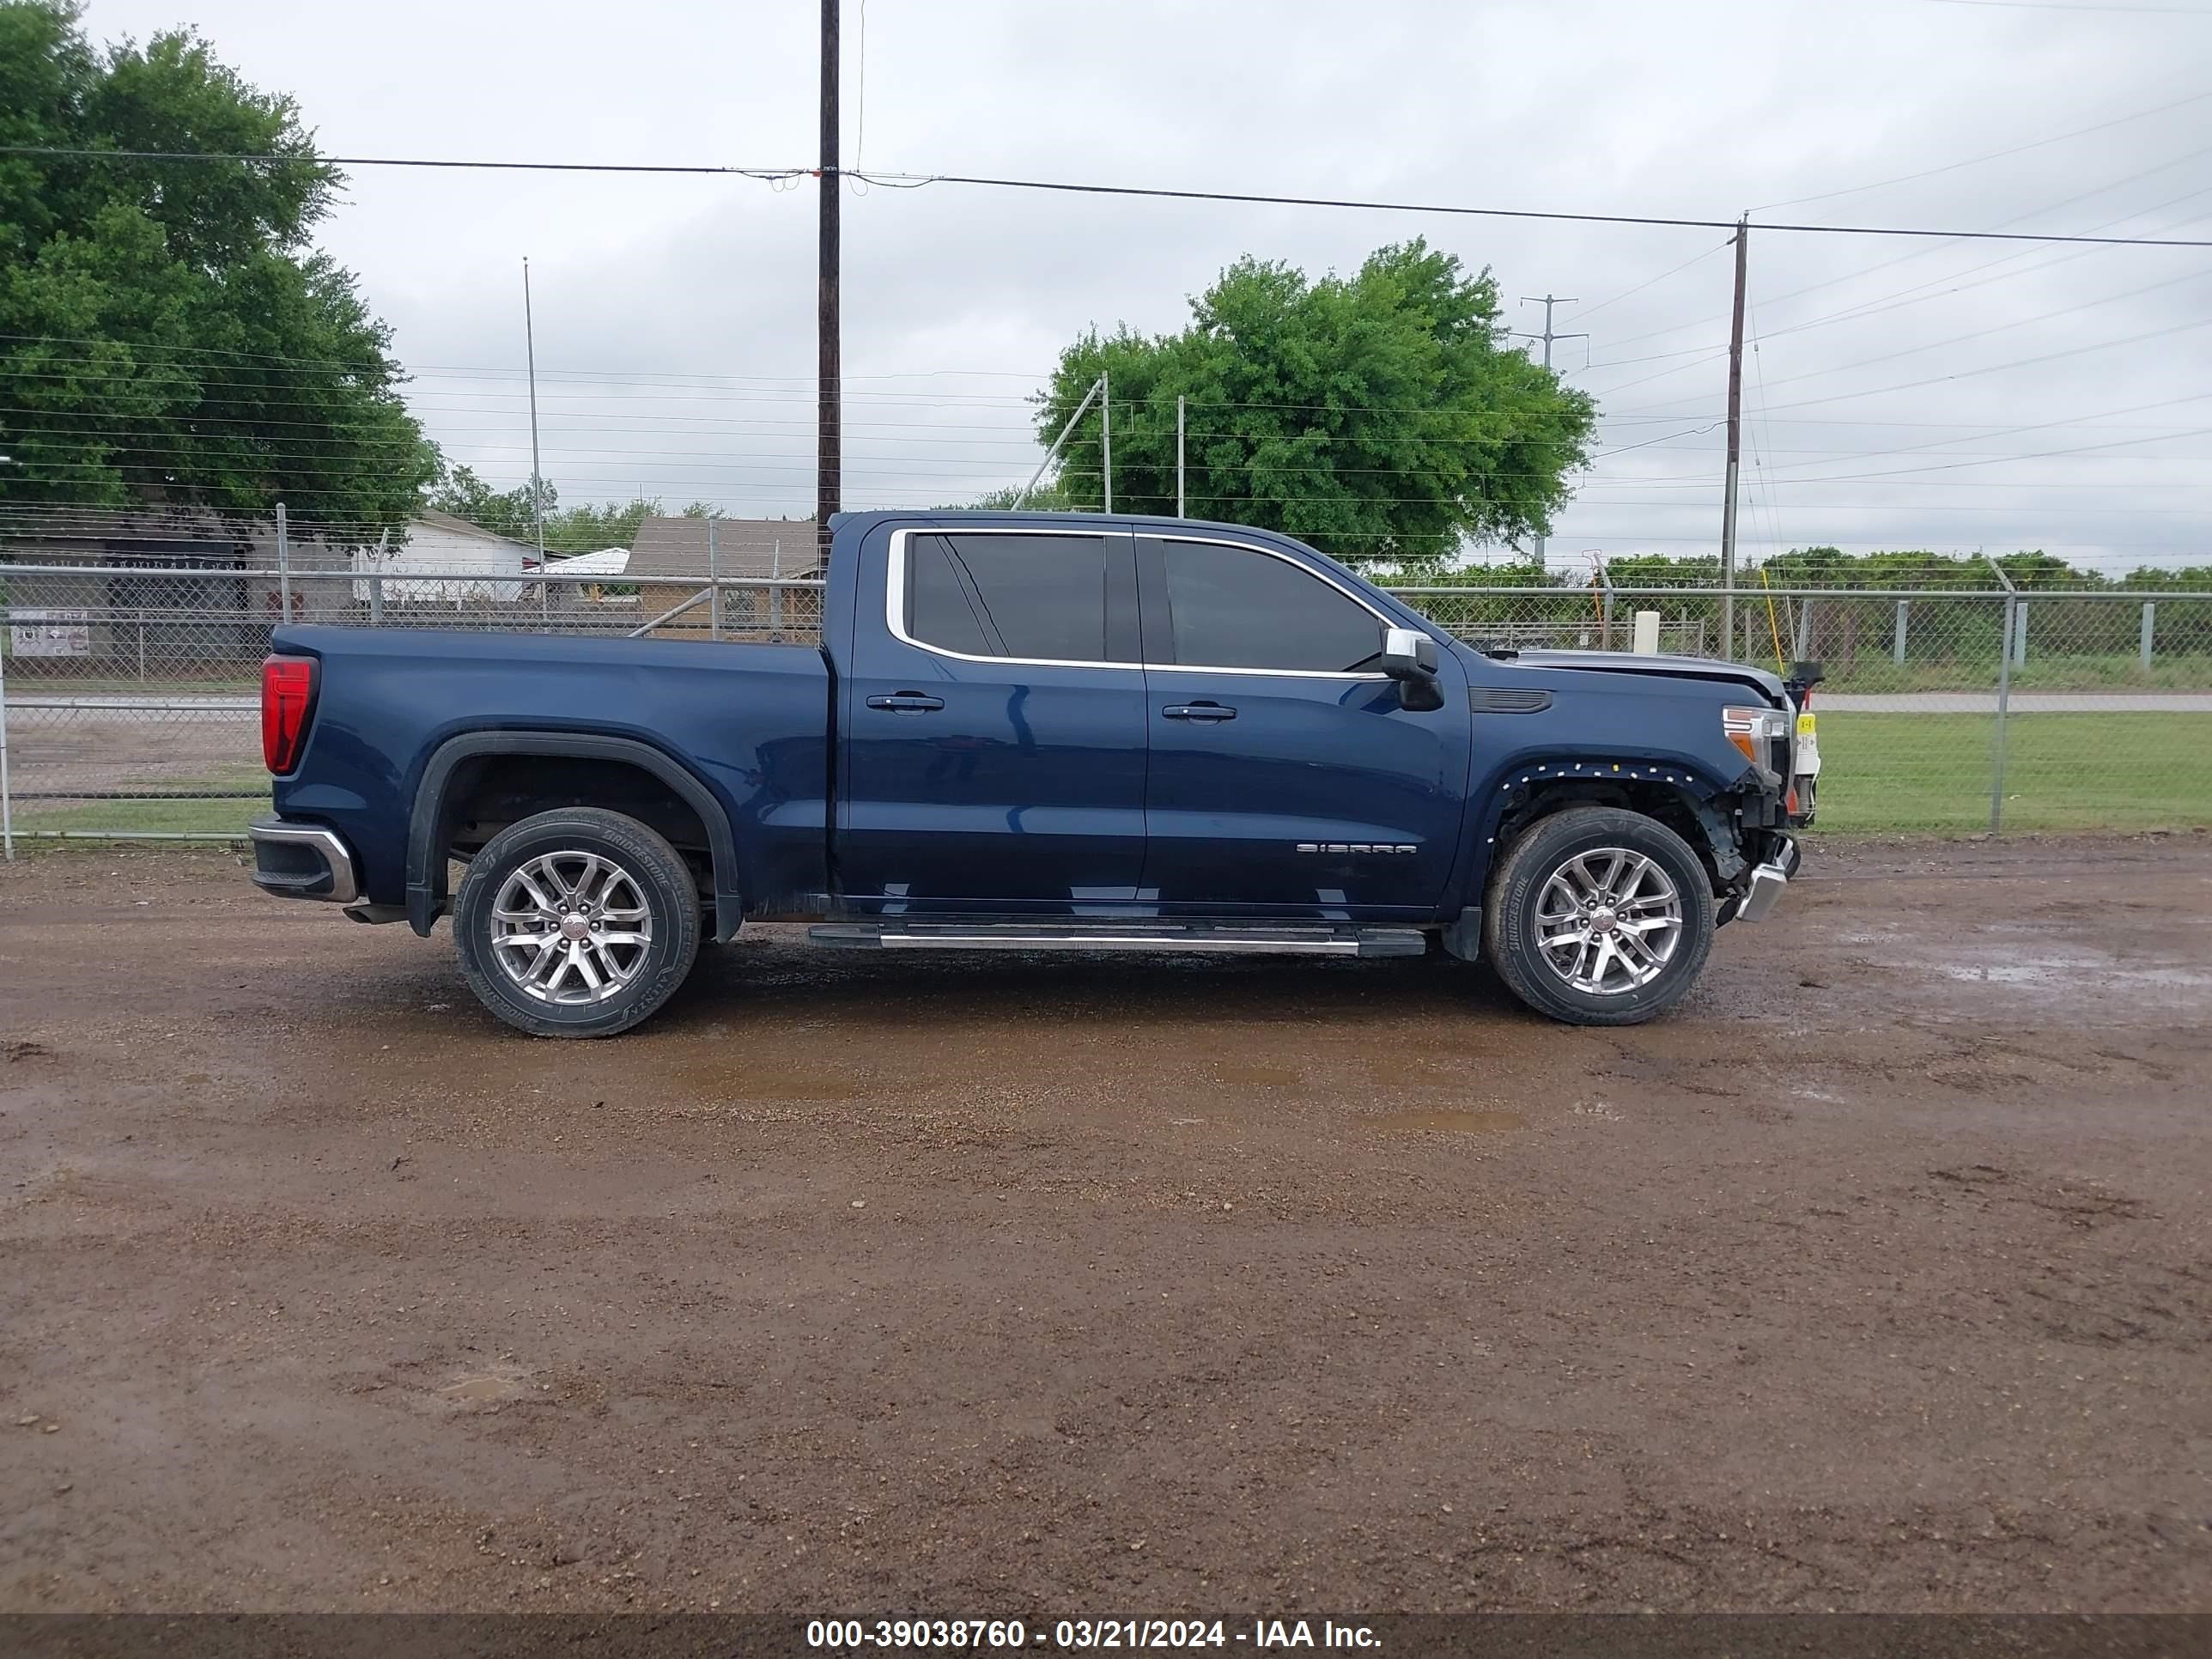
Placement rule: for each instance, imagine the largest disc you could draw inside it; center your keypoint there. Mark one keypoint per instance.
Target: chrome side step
(1225, 938)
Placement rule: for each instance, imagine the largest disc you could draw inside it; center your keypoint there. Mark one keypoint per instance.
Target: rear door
(1286, 775)
(995, 724)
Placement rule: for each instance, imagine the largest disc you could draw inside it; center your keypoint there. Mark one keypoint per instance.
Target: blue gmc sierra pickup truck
(1033, 731)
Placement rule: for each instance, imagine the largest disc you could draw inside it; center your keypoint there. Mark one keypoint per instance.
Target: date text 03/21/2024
(1085, 1633)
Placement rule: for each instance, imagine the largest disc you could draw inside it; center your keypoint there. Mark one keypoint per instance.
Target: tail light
(288, 697)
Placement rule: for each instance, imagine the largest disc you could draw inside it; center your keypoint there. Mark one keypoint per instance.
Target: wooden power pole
(1735, 439)
(828, 489)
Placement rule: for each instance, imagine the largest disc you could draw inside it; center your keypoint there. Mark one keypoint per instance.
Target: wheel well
(488, 793)
(1667, 802)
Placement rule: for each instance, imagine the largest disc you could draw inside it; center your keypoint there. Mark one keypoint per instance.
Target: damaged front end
(1748, 825)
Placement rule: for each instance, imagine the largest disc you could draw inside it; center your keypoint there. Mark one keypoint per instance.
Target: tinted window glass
(1009, 595)
(1236, 609)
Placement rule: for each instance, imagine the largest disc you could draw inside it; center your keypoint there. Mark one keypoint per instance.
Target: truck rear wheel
(1599, 916)
(576, 923)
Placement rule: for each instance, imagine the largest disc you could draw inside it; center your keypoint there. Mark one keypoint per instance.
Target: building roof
(431, 518)
(608, 561)
(675, 549)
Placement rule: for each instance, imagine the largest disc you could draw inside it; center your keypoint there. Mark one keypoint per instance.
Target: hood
(1679, 668)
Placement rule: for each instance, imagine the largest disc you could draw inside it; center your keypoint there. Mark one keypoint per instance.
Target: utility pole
(1735, 432)
(537, 479)
(1548, 301)
(829, 488)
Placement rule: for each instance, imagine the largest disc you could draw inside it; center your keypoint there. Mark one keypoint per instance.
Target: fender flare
(1539, 769)
(425, 869)
(1694, 788)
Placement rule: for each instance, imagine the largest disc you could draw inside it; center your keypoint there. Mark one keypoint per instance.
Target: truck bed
(752, 724)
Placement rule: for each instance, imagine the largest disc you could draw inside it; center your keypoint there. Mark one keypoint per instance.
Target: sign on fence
(50, 633)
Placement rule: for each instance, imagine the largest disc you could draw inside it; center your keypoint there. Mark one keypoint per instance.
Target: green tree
(1045, 498)
(582, 529)
(1382, 416)
(459, 491)
(167, 330)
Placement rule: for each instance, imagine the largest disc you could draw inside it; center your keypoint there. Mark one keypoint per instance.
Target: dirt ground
(1877, 1277)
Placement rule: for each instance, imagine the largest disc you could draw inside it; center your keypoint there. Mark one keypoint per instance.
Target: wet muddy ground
(1876, 1277)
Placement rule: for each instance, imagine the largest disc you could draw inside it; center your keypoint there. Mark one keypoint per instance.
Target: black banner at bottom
(1479, 1636)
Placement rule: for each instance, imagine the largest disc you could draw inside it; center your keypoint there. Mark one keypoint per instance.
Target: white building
(445, 560)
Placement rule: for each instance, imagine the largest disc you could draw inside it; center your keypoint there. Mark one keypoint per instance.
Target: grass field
(2172, 673)
(146, 816)
(1882, 772)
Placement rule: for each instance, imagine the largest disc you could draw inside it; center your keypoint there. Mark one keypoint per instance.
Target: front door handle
(1198, 711)
(907, 702)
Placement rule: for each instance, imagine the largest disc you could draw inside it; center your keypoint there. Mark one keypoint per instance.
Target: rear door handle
(1198, 711)
(907, 702)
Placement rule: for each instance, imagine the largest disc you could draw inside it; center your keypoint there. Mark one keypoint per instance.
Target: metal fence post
(2149, 631)
(2004, 702)
(1180, 512)
(775, 586)
(7, 808)
(2020, 632)
(376, 578)
(714, 586)
(1106, 438)
(1896, 645)
(283, 567)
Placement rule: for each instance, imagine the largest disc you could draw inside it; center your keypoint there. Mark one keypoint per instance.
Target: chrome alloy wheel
(1607, 921)
(571, 927)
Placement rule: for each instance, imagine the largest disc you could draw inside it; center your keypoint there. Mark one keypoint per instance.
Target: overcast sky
(1901, 394)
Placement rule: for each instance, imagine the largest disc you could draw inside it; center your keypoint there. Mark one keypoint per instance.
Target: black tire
(637, 977)
(1549, 848)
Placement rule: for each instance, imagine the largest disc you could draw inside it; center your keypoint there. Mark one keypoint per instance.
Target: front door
(1286, 777)
(995, 724)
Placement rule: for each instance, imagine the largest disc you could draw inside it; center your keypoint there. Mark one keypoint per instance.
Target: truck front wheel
(1599, 916)
(576, 923)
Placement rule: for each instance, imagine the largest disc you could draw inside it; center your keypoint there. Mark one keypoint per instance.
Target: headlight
(1752, 730)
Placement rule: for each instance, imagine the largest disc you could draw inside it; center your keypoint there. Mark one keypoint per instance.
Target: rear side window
(1009, 595)
(1231, 607)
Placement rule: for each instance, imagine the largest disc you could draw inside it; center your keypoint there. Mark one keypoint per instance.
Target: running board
(1172, 938)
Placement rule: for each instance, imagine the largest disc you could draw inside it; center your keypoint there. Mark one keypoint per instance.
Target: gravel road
(1875, 1278)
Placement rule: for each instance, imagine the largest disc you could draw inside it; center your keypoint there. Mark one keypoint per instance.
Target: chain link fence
(1943, 709)
(128, 679)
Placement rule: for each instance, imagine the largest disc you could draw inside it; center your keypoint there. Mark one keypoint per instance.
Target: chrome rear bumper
(303, 862)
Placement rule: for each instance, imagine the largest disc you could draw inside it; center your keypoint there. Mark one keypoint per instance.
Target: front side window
(1041, 597)
(1231, 607)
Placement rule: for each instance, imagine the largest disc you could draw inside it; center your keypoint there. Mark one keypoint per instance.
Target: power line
(65, 152)
(1922, 253)
(1998, 368)
(1994, 155)
(1521, 213)
(1072, 187)
(1996, 328)
(1676, 270)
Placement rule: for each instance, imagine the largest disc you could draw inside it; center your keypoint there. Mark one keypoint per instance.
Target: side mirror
(1409, 657)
